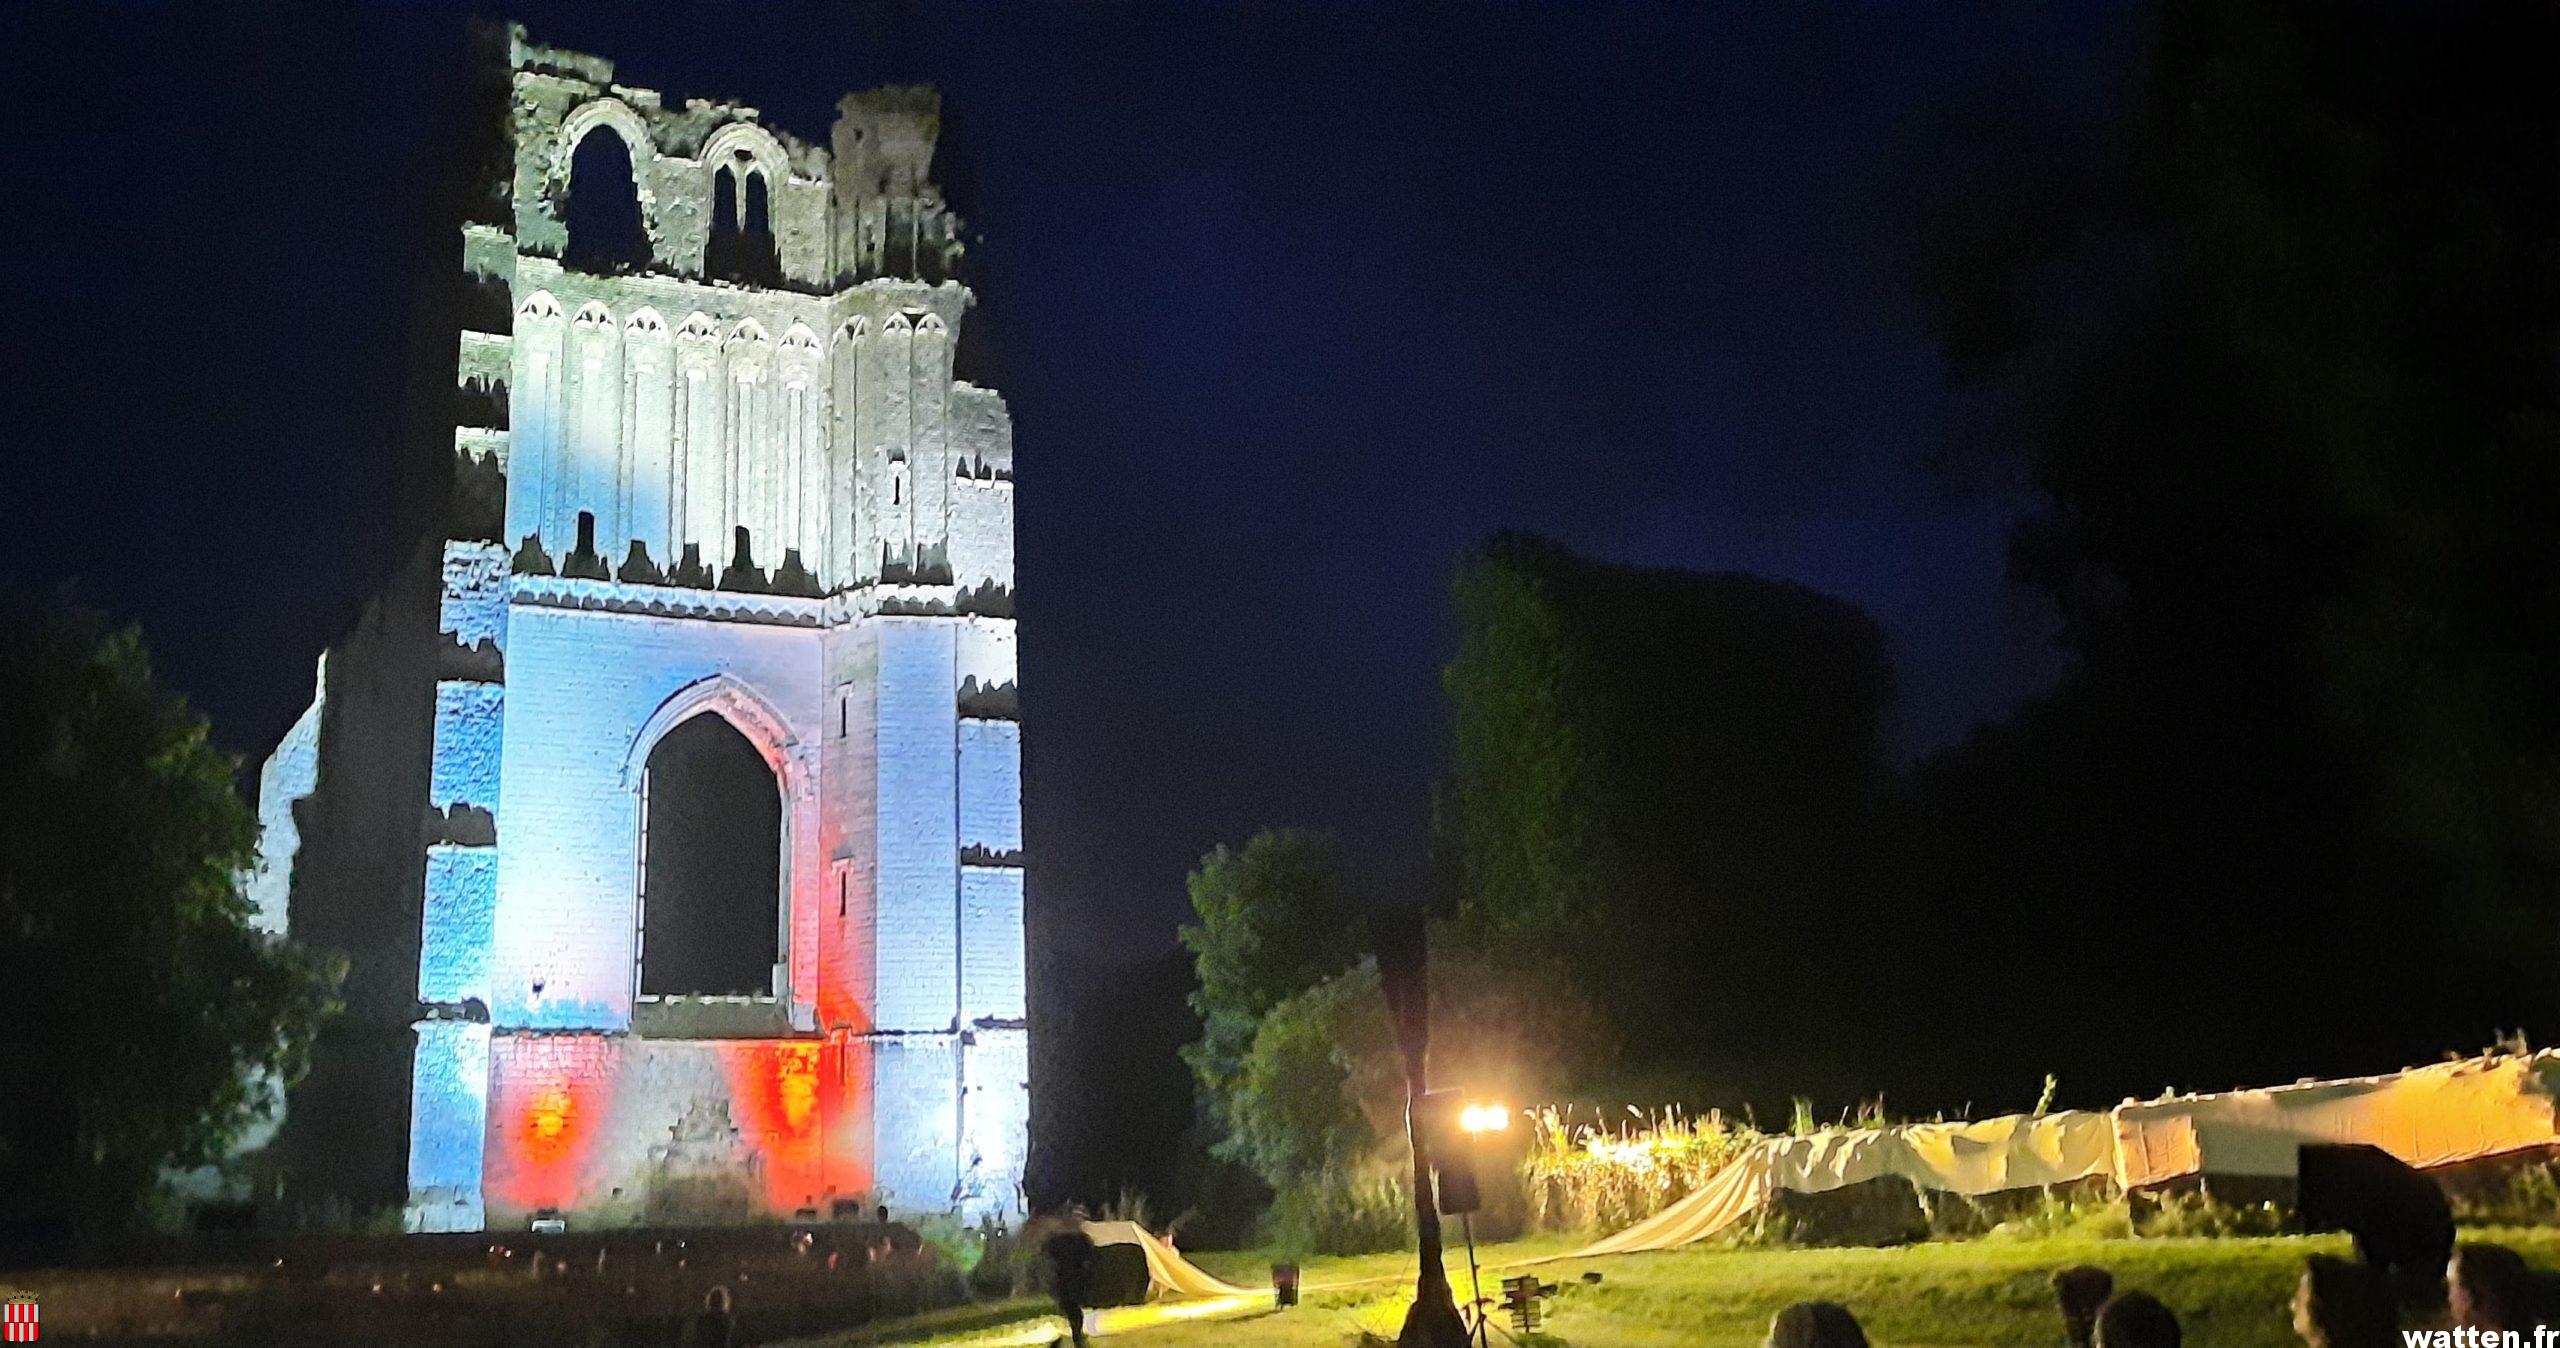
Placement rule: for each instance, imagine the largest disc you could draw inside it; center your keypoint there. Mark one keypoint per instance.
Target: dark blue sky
(1290, 308)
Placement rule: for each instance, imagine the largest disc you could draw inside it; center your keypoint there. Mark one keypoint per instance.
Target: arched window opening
(603, 211)
(720, 252)
(710, 865)
(758, 219)
(742, 247)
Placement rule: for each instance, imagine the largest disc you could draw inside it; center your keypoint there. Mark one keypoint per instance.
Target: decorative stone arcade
(712, 463)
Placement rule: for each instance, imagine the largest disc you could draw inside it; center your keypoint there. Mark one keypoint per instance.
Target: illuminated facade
(710, 462)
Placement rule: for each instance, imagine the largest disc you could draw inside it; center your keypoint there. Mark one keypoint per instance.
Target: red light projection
(844, 1078)
(775, 1094)
(582, 1123)
(549, 1097)
(843, 941)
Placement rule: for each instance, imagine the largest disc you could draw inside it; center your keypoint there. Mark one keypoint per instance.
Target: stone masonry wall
(462, 812)
(582, 686)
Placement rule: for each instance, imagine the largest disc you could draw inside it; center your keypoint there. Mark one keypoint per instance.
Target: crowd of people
(2339, 1303)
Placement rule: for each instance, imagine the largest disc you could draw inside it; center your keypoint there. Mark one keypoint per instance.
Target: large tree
(1275, 919)
(143, 1010)
(1322, 1091)
(1669, 780)
(2279, 344)
(1301, 1081)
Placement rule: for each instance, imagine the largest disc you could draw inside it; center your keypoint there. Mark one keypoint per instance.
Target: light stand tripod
(1475, 1283)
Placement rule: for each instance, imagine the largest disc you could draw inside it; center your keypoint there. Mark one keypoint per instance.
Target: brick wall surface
(917, 905)
(917, 1119)
(991, 785)
(474, 608)
(581, 687)
(995, 1115)
(448, 1117)
(987, 652)
(470, 729)
(991, 967)
(458, 932)
(612, 1129)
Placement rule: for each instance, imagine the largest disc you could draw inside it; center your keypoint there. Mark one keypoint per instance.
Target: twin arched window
(602, 212)
(741, 246)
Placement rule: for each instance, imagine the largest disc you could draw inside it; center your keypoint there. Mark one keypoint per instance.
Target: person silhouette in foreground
(2399, 1218)
(2488, 1287)
(2081, 1289)
(1815, 1324)
(2136, 1320)
(2343, 1304)
(1071, 1274)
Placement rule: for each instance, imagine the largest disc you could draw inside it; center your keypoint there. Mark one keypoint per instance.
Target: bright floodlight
(1484, 1118)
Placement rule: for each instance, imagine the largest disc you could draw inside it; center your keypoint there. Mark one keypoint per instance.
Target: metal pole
(1475, 1284)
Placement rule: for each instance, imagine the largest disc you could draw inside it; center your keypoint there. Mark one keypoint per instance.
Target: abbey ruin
(668, 806)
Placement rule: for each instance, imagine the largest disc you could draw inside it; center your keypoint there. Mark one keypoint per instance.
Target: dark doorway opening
(710, 864)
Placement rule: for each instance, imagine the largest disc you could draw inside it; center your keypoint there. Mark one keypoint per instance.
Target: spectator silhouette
(2488, 1287)
(1071, 1275)
(2398, 1217)
(1815, 1324)
(2343, 1304)
(2081, 1289)
(2136, 1320)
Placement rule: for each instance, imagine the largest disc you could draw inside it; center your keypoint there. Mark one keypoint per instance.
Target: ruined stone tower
(669, 808)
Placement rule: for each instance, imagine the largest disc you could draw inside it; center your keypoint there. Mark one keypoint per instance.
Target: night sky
(1289, 309)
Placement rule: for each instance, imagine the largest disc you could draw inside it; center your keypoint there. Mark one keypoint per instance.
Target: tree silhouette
(2275, 351)
(147, 1018)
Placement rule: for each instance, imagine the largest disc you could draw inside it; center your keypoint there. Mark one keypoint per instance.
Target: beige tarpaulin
(1729, 1196)
(2426, 1116)
(1166, 1267)
(2015, 1152)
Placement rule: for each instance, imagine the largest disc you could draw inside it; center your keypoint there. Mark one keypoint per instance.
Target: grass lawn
(2230, 1292)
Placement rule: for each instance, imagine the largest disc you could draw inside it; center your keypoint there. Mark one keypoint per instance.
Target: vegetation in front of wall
(1597, 1174)
(1591, 1174)
(2528, 1195)
(1340, 1214)
(2058, 1214)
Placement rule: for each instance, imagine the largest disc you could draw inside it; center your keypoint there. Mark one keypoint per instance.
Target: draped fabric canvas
(1173, 1275)
(2427, 1116)
(1729, 1196)
(2435, 1115)
(2018, 1151)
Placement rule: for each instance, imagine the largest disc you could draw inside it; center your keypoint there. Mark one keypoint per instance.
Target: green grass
(956, 1324)
(2230, 1292)
(1252, 1268)
(2227, 1292)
